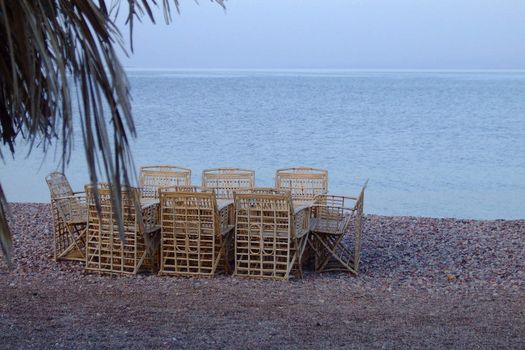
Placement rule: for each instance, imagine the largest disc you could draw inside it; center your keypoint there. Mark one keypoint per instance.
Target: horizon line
(330, 69)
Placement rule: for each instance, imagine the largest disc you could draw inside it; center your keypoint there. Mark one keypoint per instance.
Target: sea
(431, 143)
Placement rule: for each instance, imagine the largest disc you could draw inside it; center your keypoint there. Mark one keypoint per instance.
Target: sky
(335, 34)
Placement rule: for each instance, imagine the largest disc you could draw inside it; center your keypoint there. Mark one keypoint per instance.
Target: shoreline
(423, 283)
(367, 214)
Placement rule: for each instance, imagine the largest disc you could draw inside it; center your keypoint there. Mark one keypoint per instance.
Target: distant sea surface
(440, 144)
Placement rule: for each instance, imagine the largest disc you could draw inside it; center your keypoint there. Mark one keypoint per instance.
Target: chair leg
(328, 247)
(303, 242)
(226, 265)
(320, 253)
(80, 241)
(220, 260)
(76, 250)
(331, 247)
(224, 253)
(139, 264)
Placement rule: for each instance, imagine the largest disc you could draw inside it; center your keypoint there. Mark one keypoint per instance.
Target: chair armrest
(335, 200)
(319, 196)
(331, 207)
(71, 208)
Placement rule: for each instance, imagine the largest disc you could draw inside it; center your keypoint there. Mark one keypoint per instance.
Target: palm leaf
(58, 53)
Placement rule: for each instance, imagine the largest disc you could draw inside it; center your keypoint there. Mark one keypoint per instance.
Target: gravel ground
(432, 283)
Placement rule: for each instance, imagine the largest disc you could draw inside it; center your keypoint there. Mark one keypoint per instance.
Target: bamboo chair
(224, 213)
(226, 180)
(267, 242)
(69, 218)
(303, 183)
(195, 235)
(105, 251)
(331, 220)
(154, 177)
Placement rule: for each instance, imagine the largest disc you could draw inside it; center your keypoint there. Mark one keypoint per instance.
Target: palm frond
(53, 54)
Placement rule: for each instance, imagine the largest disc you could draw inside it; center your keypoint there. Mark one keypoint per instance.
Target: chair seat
(328, 226)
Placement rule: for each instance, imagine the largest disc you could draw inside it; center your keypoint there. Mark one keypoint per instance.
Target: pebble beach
(424, 282)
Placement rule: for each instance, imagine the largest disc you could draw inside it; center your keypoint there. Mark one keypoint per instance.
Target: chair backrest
(359, 204)
(359, 212)
(63, 199)
(58, 185)
(226, 180)
(191, 204)
(265, 242)
(154, 177)
(105, 251)
(191, 236)
(332, 207)
(303, 183)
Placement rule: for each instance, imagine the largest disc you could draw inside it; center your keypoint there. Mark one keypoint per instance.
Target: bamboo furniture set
(225, 225)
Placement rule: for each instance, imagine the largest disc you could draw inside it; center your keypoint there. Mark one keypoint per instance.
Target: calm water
(441, 144)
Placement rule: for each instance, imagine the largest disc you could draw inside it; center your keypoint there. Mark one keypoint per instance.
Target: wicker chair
(267, 242)
(226, 180)
(105, 251)
(331, 221)
(195, 234)
(154, 177)
(303, 183)
(69, 218)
